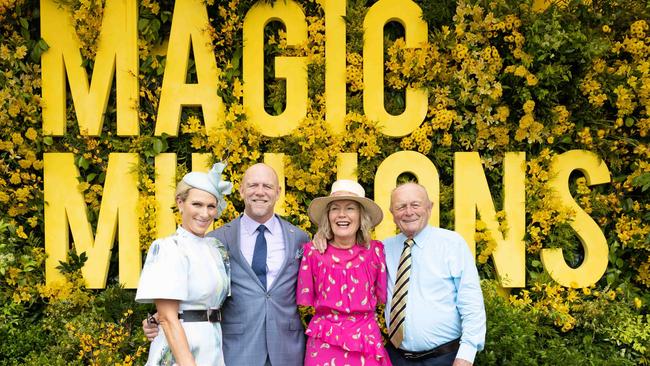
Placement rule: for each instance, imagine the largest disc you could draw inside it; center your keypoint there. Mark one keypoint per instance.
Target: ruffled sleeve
(165, 273)
(380, 267)
(305, 288)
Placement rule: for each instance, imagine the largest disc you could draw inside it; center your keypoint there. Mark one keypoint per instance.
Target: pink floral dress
(343, 286)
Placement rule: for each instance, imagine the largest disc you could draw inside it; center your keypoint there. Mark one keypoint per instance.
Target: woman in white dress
(187, 276)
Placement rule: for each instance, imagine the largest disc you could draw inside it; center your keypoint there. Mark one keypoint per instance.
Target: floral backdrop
(501, 75)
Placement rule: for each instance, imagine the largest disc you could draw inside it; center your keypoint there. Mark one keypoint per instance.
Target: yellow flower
(4, 52)
(531, 79)
(529, 106)
(606, 29)
(17, 138)
(15, 178)
(31, 134)
(21, 51)
(238, 89)
(521, 71)
(83, 186)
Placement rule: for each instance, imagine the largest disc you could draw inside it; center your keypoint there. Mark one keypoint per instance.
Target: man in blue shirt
(438, 315)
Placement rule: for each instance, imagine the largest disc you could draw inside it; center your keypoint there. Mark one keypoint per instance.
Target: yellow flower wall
(500, 78)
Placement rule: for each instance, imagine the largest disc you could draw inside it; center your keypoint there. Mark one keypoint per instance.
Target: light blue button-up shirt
(445, 301)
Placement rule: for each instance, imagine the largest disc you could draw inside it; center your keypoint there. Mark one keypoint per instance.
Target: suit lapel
(232, 235)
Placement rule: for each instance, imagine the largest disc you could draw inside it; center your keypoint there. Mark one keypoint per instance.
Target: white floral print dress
(190, 269)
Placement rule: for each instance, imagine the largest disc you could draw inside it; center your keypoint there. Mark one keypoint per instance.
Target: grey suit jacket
(259, 323)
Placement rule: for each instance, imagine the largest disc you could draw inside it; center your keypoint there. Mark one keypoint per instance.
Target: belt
(438, 351)
(208, 315)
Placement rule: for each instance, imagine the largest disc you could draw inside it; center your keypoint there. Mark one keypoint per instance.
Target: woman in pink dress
(346, 282)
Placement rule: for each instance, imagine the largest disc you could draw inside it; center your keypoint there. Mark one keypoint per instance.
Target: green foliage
(519, 337)
(500, 78)
(73, 264)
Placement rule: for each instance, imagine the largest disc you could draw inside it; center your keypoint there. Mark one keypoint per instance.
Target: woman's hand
(174, 332)
(150, 327)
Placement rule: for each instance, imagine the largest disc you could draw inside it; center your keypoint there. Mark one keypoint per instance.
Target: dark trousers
(397, 359)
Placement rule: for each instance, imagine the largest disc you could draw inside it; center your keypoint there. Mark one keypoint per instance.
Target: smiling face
(344, 218)
(260, 190)
(411, 208)
(198, 211)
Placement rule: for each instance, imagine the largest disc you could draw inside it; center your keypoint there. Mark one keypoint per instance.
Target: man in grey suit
(261, 325)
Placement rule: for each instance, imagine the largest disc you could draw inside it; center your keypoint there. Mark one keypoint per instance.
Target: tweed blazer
(259, 324)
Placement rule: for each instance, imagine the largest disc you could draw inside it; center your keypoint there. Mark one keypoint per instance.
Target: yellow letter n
(472, 193)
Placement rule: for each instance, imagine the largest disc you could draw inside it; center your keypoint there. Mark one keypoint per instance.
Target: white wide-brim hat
(344, 189)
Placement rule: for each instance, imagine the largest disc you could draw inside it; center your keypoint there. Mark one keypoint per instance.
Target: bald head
(260, 190)
(410, 186)
(260, 169)
(411, 208)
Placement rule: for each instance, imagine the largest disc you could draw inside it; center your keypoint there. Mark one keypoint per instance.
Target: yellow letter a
(188, 26)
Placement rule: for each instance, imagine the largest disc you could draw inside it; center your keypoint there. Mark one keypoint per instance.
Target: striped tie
(400, 291)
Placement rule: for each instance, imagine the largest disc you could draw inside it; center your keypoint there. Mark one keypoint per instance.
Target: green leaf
(164, 16)
(82, 163)
(142, 24)
(642, 181)
(38, 49)
(277, 107)
(48, 140)
(611, 278)
(155, 25)
(74, 264)
(535, 263)
(236, 57)
(157, 146)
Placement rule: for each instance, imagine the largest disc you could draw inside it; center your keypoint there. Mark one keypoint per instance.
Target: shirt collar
(419, 238)
(250, 225)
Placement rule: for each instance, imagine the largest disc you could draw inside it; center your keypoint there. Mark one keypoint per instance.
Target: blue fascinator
(212, 183)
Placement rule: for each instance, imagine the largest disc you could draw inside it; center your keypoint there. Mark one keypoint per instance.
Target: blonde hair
(182, 190)
(363, 233)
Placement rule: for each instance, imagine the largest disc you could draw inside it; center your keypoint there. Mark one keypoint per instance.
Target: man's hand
(320, 243)
(150, 326)
(461, 362)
